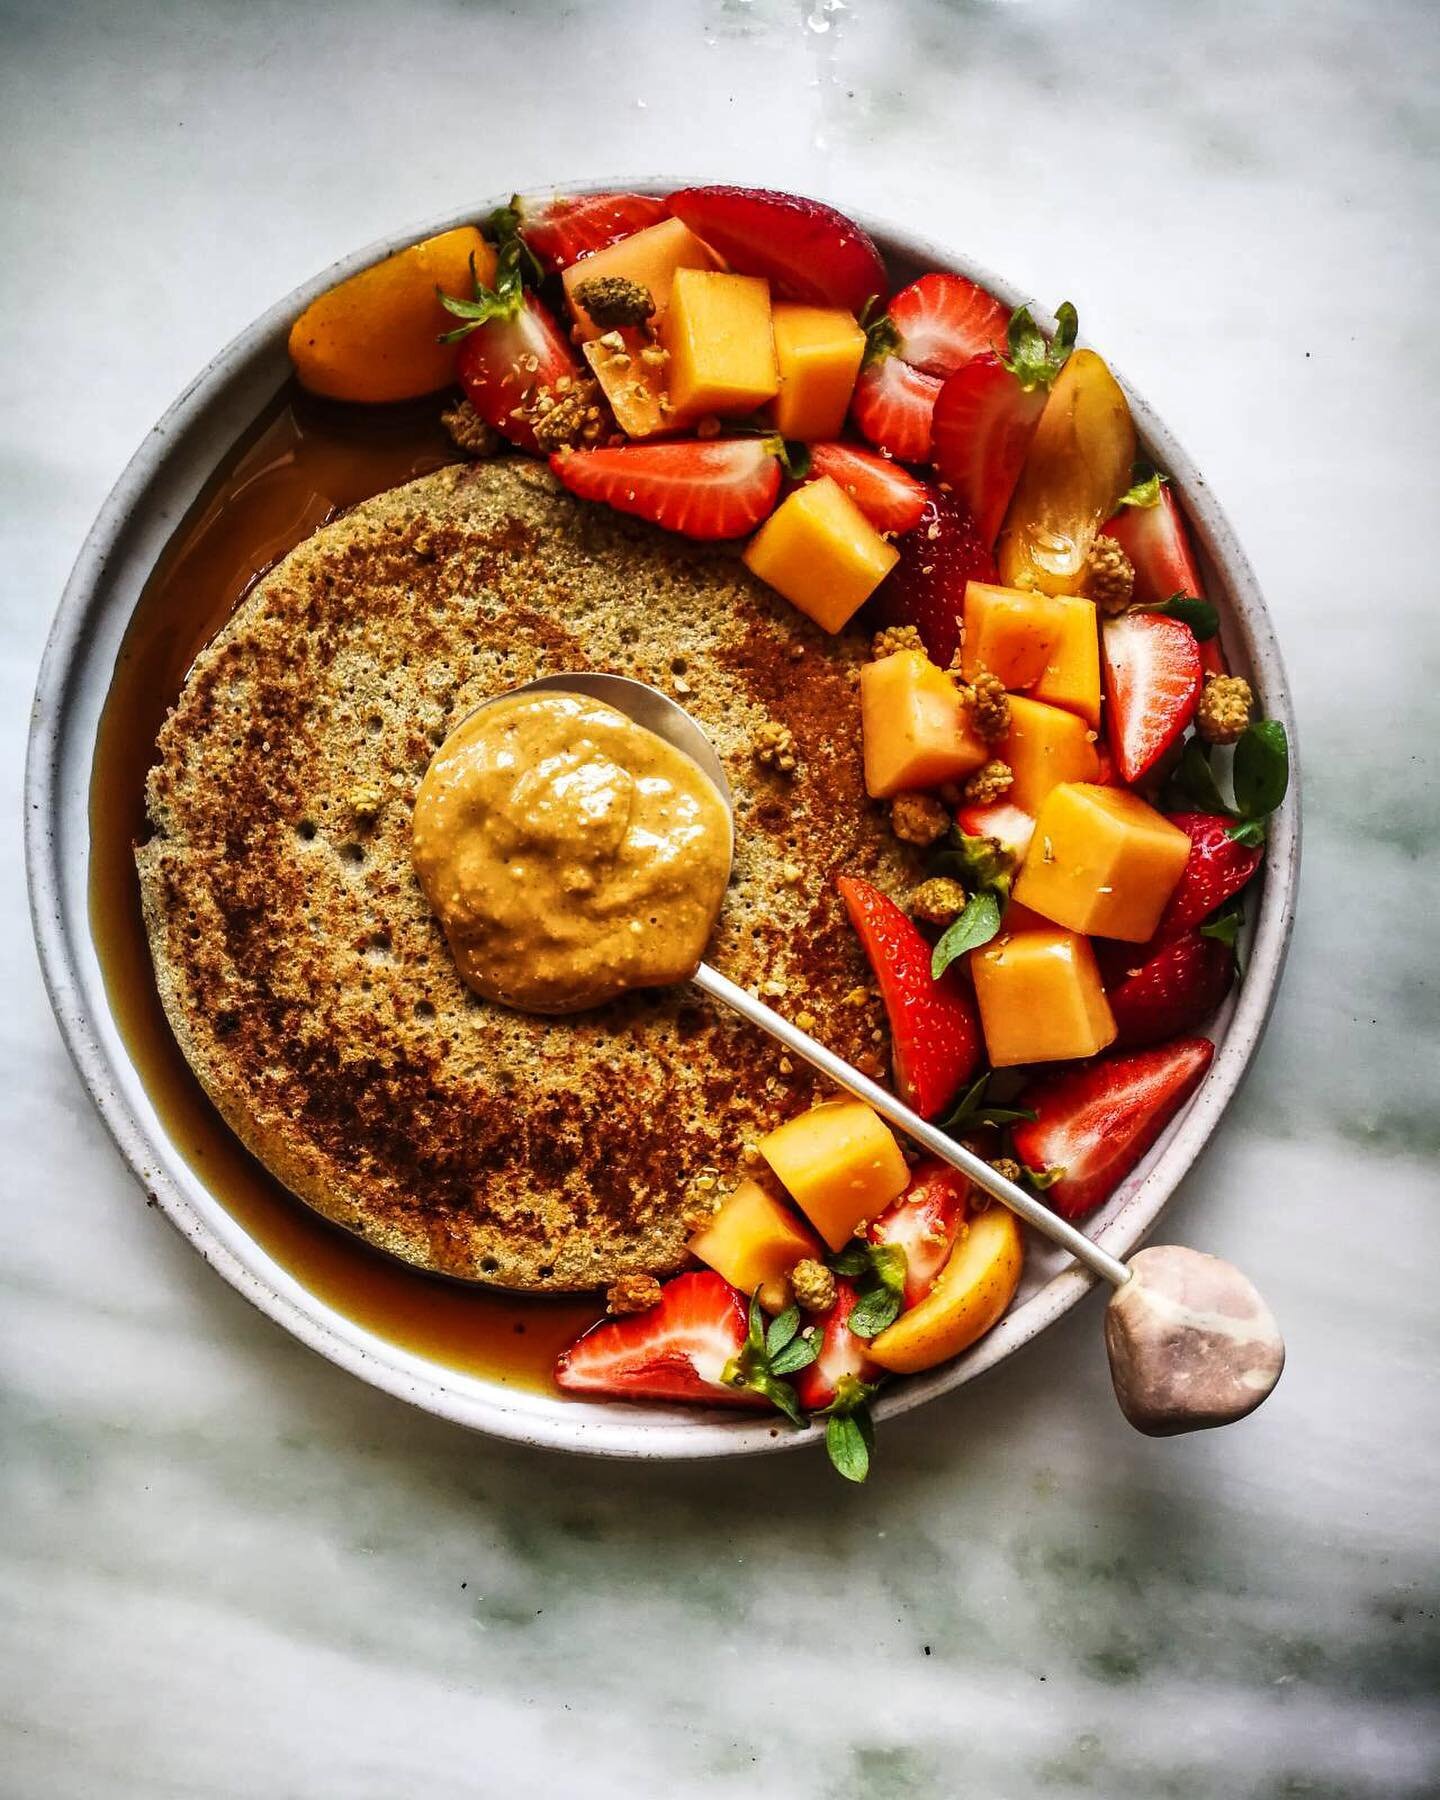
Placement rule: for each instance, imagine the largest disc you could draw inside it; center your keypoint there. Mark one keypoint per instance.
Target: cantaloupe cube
(818, 350)
(722, 347)
(754, 1241)
(820, 551)
(840, 1163)
(633, 386)
(1071, 676)
(917, 732)
(1010, 632)
(1101, 861)
(650, 257)
(1045, 746)
(1040, 997)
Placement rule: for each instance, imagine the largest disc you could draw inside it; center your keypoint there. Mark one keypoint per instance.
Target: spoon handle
(1034, 1212)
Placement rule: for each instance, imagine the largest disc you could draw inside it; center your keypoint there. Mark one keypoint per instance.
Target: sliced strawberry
(1105, 775)
(677, 1350)
(1157, 542)
(1217, 868)
(566, 227)
(926, 588)
(935, 1038)
(892, 408)
(805, 249)
(1094, 1123)
(890, 497)
(945, 320)
(1152, 685)
(841, 1353)
(982, 427)
(718, 489)
(999, 819)
(1174, 990)
(924, 1222)
(505, 363)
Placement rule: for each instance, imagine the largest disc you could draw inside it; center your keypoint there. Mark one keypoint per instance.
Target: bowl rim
(143, 508)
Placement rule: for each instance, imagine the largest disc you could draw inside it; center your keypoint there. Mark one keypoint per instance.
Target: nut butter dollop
(570, 854)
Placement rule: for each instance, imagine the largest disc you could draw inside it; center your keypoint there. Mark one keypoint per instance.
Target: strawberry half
(943, 321)
(987, 412)
(1172, 991)
(1095, 1123)
(1152, 686)
(934, 1034)
(566, 227)
(890, 497)
(841, 1354)
(1216, 869)
(926, 588)
(505, 362)
(717, 489)
(805, 249)
(924, 1222)
(678, 1350)
(892, 408)
(1013, 827)
(1156, 540)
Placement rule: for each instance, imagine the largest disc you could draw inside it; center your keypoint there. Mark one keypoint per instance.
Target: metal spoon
(1191, 1342)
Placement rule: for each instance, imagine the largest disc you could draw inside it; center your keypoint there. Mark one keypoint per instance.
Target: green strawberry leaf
(846, 1446)
(970, 1113)
(795, 459)
(1199, 615)
(514, 258)
(1144, 489)
(1249, 832)
(1034, 359)
(1261, 770)
(881, 339)
(1195, 781)
(977, 924)
(1041, 1179)
(1224, 927)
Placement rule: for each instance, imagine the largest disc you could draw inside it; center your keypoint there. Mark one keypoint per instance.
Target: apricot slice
(374, 337)
(1077, 467)
(840, 1163)
(970, 1295)
(754, 1241)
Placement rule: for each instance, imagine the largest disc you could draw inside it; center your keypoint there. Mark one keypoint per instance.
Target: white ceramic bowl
(147, 504)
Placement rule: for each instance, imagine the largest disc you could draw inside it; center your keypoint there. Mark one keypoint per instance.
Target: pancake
(311, 988)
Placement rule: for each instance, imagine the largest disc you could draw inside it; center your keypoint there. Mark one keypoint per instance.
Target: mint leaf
(846, 1446)
(1144, 489)
(1195, 780)
(976, 926)
(854, 1259)
(798, 1354)
(1261, 771)
(971, 1112)
(873, 1311)
(1224, 927)
(1199, 615)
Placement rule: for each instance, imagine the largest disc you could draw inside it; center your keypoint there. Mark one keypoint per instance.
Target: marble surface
(227, 1570)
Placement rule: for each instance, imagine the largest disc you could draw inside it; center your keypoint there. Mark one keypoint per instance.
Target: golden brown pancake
(304, 975)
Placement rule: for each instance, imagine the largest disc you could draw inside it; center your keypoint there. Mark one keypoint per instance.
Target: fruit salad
(1048, 720)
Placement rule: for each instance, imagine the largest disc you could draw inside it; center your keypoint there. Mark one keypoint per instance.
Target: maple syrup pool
(301, 463)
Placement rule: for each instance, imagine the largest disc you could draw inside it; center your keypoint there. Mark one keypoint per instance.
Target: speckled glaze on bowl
(148, 503)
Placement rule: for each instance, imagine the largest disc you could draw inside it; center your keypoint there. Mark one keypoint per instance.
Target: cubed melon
(634, 386)
(1101, 861)
(754, 1241)
(1040, 996)
(1010, 632)
(840, 1163)
(649, 257)
(917, 731)
(722, 347)
(818, 350)
(1071, 676)
(820, 551)
(1044, 746)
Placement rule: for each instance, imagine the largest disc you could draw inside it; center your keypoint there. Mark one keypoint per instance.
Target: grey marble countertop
(226, 1569)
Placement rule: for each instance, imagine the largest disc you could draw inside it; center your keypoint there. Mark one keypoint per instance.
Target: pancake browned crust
(304, 975)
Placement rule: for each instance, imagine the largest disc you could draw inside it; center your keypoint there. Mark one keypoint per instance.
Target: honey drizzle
(300, 464)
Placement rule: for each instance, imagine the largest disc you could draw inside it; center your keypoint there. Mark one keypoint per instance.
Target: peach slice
(1077, 468)
(374, 337)
(970, 1295)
